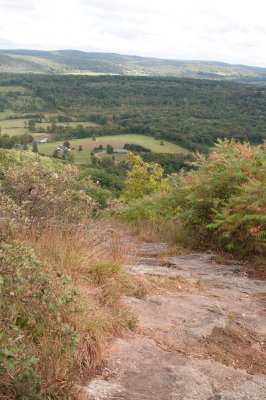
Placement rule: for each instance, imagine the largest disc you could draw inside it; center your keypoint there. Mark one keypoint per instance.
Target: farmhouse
(63, 148)
(44, 140)
(120, 151)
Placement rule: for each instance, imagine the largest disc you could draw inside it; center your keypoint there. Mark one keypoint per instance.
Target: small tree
(93, 160)
(53, 126)
(69, 156)
(80, 148)
(31, 125)
(35, 148)
(55, 153)
(162, 143)
(101, 147)
(109, 149)
(143, 179)
(67, 144)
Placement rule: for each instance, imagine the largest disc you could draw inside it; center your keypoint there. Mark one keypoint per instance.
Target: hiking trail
(203, 342)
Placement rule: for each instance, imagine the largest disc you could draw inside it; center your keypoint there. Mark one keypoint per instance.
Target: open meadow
(19, 126)
(117, 141)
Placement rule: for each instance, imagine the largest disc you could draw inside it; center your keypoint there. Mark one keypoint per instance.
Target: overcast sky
(233, 31)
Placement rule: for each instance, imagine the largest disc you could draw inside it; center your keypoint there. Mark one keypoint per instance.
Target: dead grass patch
(159, 284)
(236, 348)
(91, 262)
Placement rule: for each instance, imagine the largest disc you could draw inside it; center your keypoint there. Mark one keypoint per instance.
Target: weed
(58, 314)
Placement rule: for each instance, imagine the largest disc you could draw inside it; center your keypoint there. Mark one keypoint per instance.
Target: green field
(117, 141)
(17, 126)
(73, 124)
(14, 126)
(14, 131)
(12, 89)
(5, 114)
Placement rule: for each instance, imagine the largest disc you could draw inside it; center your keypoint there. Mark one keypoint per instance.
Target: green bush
(43, 188)
(221, 200)
(109, 149)
(225, 197)
(36, 329)
(142, 179)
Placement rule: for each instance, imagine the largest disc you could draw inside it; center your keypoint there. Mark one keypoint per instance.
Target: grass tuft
(61, 302)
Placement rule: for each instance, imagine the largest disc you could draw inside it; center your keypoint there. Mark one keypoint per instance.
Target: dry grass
(92, 263)
(232, 346)
(163, 284)
(172, 232)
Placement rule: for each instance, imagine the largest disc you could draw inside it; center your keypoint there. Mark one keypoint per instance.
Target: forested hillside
(73, 61)
(191, 113)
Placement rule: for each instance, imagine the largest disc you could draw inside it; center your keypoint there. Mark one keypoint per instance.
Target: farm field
(17, 126)
(73, 124)
(14, 126)
(117, 141)
(5, 114)
(118, 157)
(12, 89)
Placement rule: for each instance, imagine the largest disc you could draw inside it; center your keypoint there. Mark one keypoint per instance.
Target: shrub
(109, 149)
(136, 148)
(222, 200)
(224, 197)
(67, 144)
(35, 148)
(142, 179)
(36, 326)
(42, 188)
(59, 304)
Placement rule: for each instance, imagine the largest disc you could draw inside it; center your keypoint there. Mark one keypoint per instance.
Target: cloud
(17, 5)
(230, 30)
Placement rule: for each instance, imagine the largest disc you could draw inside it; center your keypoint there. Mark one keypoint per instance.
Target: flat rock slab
(151, 269)
(149, 261)
(151, 249)
(143, 371)
(240, 296)
(178, 321)
(203, 265)
(154, 365)
(188, 314)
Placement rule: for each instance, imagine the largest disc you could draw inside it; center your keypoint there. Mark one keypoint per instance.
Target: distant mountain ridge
(79, 62)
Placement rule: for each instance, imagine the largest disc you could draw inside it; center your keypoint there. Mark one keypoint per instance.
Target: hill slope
(74, 61)
(191, 113)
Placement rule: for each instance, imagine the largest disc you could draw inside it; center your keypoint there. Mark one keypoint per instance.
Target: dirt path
(202, 342)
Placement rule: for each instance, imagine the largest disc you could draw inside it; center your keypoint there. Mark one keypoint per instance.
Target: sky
(232, 31)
